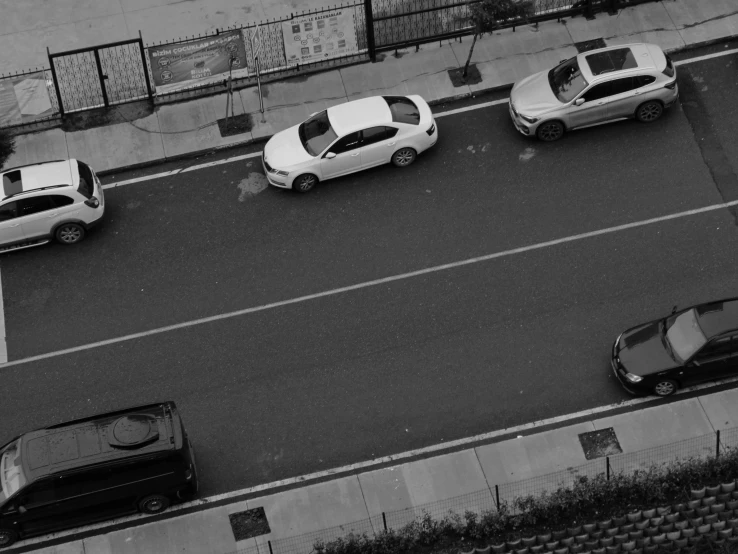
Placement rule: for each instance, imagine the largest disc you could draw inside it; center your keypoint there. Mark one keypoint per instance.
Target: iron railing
(33, 96)
(489, 499)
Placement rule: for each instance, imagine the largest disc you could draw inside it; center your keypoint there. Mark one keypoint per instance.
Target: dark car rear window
(12, 183)
(86, 181)
(612, 60)
(403, 110)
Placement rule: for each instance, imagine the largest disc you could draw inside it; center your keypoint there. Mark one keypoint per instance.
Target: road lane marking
(369, 464)
(437, 115)
(375, 282)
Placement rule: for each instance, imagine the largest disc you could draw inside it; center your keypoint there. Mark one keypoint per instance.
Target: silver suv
(62, 199)
(609, 84)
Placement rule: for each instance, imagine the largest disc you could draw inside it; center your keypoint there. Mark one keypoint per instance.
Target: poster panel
(316, 37)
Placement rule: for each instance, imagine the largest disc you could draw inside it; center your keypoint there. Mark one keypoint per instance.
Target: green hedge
(588, 500)
(7, 146)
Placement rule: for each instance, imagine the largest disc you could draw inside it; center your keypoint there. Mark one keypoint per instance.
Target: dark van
(87, 470)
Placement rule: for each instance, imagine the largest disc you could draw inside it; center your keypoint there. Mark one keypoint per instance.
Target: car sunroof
(612, 60)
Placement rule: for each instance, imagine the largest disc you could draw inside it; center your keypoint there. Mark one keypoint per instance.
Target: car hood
(641, 351)
(533, 95)
(285, 149)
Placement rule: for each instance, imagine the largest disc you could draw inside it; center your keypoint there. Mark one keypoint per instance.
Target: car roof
(101, 438)
(31, 177)
(359, 114)
(621, 59)
(716, 318)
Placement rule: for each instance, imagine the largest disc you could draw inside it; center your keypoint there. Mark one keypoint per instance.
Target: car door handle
(354, 155)
(15, 225)
(391, 144)
(54, 214)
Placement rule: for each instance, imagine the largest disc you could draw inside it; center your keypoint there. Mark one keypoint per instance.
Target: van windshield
(12, 477)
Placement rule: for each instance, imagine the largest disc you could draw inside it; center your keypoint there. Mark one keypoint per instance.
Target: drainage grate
(587, 45)
(249, 524)
(598, 444)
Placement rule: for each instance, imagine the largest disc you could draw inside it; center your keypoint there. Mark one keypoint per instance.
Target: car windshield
(316, 134)
(566, 80)
(685, 335)
(12, 477)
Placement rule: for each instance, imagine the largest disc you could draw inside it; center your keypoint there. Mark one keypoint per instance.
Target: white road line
(707, 57)
(393, 458)
(372, 283)
(183, 170)
(440, 114)
(3, 342)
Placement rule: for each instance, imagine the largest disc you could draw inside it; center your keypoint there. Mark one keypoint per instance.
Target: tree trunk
(471, 51)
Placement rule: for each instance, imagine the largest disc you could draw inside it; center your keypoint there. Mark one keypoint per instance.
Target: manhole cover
(587, 45)
(598, 444)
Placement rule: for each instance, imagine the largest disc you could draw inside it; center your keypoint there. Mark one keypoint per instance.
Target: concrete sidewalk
(188, 128)
(465, 480)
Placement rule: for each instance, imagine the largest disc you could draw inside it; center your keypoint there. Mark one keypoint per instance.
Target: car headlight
(528, 118)
(633, 378)
(282, 173)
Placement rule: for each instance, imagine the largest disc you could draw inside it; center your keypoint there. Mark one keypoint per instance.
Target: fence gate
(100, 75)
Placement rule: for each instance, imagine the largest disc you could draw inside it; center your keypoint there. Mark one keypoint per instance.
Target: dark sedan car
(690, 346)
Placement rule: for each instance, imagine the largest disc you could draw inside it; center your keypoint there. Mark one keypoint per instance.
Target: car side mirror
(330, 155)
(22, 509)
(579, 101)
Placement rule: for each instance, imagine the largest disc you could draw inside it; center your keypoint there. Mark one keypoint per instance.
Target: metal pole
(145, 65)
(56, 83)
(269, 543)
(613, 7)
(258, 84)
(607, 463)
(717, 445)
(370, 44)
(588, 13)
(497, 496)
(384, 521)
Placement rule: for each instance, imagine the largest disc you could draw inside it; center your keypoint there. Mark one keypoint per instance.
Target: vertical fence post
(384, 521)
(102, 78)
(55, 81)
(588, 13)
(269, 544)
(145, 65)
(369, 19)
(497, 496)
(614, 6)
(717, 445)
(607, 463)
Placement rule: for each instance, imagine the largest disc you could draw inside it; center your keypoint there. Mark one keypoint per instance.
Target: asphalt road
(392, 367)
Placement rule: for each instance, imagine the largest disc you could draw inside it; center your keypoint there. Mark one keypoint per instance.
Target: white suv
(62, 199)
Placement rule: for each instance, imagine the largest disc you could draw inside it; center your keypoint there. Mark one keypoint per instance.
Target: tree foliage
(7, 147)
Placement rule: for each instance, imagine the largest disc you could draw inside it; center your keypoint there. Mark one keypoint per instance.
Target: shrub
(7, 147)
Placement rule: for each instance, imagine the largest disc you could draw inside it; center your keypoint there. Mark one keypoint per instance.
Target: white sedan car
(350, 137)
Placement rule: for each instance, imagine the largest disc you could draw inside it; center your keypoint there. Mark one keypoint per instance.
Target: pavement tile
(119, 144)
(643, 23)
(76, 547)
(408, 72)
(433, 480)
(312, 88)
(699, 21)
(191, 126)
(722, 410)
(206, 531)
(39, 147)
(313, 508)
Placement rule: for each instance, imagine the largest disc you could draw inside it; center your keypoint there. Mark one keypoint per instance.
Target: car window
(597, 92)
(316, 133)
(403, 110)
(12, 183)
(38, 493)
(718, 346)
(59, 200)
(391, 131)
(347, 143)
(373, 135)
(643, 80)
(624, 84)
(566, 80)
(8, 211)
(37, 204)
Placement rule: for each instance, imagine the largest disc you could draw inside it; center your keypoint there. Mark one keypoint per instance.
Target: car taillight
(432, 129)
(671, 85)
(92, 202)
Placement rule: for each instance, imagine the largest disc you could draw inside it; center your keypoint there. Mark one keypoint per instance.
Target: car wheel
(404, 157)
(7, 537)
(70, 233)
(649, 111)
(304, 182)
(550, 131)
(154, 504)
(665, 387)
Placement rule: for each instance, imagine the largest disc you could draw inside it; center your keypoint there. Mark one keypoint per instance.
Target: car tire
(304, 182)
(154, 504)
(404, 157)
(7, 537)
(69, 233)
(550, 131)
(665, 387)
(649, 111)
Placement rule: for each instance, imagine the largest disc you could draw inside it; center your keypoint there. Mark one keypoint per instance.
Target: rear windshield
(12, 183)
(403, 110)
(669, 69)
(12, 477)
(86, 181)
(316, 134)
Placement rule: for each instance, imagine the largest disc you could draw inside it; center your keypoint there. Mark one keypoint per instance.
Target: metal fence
(28, 97)
(489, 499)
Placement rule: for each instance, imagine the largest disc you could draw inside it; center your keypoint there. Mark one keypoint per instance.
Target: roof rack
(36, 190)
(29, 165)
